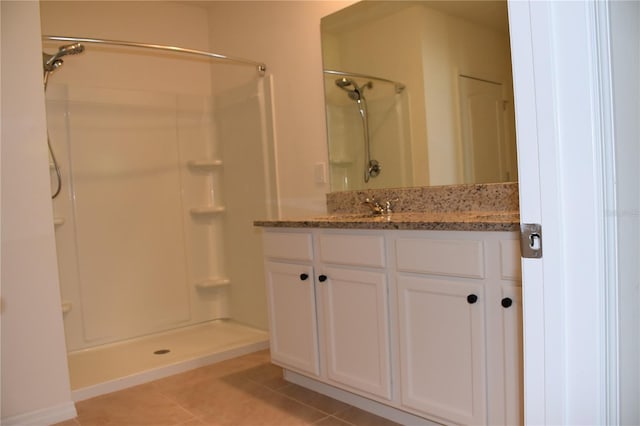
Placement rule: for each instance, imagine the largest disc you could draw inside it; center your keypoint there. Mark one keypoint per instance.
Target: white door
(292, 316)
(356, 329)
(443, 369)
(483, 138)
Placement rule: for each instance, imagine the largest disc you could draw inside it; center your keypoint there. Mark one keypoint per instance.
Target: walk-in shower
(160, 270)
(379, 112)
(372, 167)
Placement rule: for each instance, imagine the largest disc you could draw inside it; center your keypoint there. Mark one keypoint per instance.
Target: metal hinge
(531, 240)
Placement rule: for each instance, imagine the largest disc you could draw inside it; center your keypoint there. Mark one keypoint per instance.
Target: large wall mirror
(418, 93)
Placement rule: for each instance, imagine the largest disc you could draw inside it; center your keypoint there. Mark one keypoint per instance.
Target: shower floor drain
(161, 351)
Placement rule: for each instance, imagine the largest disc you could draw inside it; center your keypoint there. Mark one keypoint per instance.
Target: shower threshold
(120, 365)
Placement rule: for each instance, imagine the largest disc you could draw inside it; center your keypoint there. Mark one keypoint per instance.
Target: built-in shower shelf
(66, 306)
(58, 221)
(204, 164)
(213, 282)
(206, 211)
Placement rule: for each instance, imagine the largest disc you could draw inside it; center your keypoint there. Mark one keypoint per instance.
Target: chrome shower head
(344, 82)
(357, 92)
(52, 62)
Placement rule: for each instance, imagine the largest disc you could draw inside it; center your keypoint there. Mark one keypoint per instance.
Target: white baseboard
(43, 417)
(365, 404)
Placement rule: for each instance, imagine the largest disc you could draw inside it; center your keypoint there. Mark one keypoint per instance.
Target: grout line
(336, 418)
(291, 397)
(321, 420)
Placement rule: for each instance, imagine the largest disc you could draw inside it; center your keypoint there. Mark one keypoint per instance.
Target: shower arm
(261, 67)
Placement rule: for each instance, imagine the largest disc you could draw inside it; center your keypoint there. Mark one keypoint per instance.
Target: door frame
(562, 125)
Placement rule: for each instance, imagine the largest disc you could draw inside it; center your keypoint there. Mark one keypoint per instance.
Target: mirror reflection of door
(482, 108)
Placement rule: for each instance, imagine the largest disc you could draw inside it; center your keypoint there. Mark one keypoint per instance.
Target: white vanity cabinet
(459, 326)
(425, 322)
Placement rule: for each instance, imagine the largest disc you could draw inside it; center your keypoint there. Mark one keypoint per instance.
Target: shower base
(120, 365)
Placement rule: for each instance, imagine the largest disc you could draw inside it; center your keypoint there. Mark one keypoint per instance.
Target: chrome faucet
(377, 208)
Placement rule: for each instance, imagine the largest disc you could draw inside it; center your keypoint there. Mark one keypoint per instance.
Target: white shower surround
(132, 141)
(137, 244)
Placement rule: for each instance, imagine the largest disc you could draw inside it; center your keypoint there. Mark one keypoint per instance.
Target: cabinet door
(442, 348)
(511, 314)
(292, 316)
(356, 329)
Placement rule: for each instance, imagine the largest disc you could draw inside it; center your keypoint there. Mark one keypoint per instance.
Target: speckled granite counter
(486, 197)
(450, 221)
(475, 207)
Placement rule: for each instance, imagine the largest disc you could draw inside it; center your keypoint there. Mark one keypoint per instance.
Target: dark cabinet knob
(322, 278)
(506, 302)
(303, 277)
(472, 298)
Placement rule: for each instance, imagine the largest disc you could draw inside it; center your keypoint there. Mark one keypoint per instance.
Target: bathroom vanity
(417, 313)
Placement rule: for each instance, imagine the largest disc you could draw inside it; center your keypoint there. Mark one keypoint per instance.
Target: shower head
(357, 92)
(344, 82)
(52, 62)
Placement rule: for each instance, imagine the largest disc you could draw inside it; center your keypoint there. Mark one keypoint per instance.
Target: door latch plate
(531, 240)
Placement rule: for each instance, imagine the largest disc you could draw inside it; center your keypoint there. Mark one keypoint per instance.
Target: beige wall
(158, 22)
(34, 366)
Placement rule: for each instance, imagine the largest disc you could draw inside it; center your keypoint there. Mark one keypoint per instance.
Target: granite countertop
(439, 221)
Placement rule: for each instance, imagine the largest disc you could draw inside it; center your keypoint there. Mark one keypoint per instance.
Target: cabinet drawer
(458, 258)
(360, 250)
(288, 245)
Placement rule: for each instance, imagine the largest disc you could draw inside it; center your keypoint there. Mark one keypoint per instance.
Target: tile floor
(245, 391)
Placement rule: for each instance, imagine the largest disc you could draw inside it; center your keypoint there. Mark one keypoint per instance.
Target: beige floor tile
(331, 421)
(135, 406)
(207, 396)
(266, 374)
(246, 391)
(314, 399)
(71, 422)
(194, 422)
(360, 417)
(267, 408)
(212, 372)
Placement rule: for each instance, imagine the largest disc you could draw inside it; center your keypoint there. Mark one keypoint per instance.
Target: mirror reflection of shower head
(52, 62)
(357, 92)
(344, 82)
